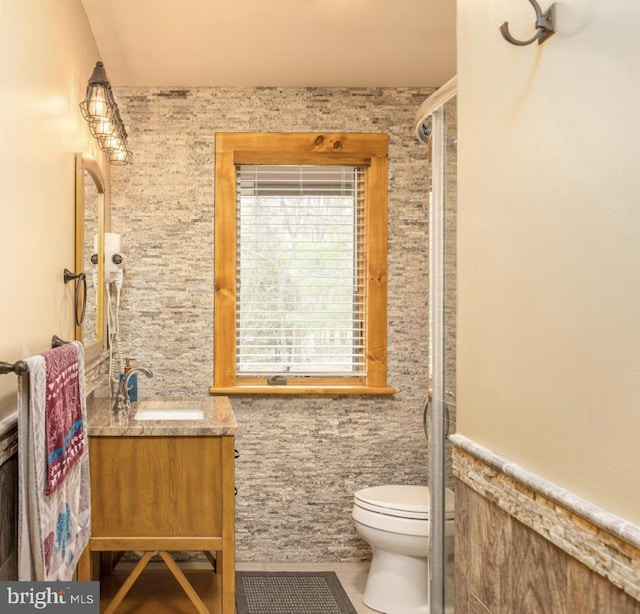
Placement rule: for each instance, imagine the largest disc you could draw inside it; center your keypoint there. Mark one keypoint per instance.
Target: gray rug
(308, 592)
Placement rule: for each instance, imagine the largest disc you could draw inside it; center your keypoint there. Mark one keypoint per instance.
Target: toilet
(394, 520)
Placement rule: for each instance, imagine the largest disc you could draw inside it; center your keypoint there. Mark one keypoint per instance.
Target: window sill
(293, 389)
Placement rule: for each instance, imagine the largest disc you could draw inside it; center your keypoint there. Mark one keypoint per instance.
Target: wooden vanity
(159, 486)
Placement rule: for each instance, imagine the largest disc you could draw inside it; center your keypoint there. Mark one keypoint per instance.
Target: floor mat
(287, 592)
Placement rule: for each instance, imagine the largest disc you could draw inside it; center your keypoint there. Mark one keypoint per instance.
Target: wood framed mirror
(91, 202)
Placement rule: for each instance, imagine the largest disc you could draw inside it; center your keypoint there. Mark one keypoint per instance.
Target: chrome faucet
(123, 403)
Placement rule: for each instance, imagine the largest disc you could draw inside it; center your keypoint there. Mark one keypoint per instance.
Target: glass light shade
(103, 127)
(96, 103)
(119, 157)
(112, 142)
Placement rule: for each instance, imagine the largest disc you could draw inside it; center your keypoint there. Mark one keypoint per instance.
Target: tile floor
(352, 576)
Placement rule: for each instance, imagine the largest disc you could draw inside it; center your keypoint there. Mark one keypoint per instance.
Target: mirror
(91, 194)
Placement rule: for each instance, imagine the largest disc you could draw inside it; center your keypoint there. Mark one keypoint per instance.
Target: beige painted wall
(549, 244)
(47, 53)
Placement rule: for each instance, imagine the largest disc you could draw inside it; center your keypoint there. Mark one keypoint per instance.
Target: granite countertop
(219, 418)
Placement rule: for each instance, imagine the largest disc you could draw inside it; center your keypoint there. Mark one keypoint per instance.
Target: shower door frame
(433, 107)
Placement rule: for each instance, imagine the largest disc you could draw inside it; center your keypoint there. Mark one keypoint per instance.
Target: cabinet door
(157, 486)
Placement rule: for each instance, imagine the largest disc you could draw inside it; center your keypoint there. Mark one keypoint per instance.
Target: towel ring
(81, 278)
(545, 26)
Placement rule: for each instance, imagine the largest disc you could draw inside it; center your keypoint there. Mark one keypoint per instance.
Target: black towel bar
(21, 367)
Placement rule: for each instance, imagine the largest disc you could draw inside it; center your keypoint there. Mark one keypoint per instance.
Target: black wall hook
(545, 26)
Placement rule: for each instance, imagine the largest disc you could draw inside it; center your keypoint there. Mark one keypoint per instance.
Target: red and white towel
(54, 499)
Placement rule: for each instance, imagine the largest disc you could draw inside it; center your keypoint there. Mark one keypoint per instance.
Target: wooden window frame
(367, 150)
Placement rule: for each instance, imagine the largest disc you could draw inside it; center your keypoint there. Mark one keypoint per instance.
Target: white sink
(169, 414)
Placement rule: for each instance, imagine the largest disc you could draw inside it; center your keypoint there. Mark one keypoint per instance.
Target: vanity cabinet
(161, 486)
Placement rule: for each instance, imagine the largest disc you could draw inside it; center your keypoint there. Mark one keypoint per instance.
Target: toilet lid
(401, 500)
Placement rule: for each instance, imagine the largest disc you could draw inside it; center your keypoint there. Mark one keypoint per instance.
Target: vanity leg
(226, 558)
(84, 565)
(106, 563)
(211, 559)
(226, 568)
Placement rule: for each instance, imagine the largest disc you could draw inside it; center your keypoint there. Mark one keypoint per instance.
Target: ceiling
(335, 43)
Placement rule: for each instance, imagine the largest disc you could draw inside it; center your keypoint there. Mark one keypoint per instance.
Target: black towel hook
(545, 26)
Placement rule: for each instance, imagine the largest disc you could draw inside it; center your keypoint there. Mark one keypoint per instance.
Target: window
(300, 271)
(300, 264)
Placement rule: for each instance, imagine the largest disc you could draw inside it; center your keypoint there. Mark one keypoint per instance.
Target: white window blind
(300, 271)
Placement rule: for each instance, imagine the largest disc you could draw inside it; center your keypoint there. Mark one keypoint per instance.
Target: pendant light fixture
(100, 110)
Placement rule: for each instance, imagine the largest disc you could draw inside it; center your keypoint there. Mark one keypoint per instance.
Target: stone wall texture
(301, 458)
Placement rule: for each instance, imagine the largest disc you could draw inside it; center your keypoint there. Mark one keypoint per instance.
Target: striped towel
(54, 509)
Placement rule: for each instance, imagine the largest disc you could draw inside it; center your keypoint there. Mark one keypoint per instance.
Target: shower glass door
(442, 312)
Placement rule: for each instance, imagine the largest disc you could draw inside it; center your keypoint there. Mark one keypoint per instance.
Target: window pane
(300, 270)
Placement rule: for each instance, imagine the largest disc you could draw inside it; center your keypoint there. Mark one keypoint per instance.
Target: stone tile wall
(301, 458)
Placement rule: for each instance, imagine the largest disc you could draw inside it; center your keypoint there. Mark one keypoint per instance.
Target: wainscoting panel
(512, 556)
(491, 531)
(530, 555)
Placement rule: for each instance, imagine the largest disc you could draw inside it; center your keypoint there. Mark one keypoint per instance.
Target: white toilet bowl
(394, 520)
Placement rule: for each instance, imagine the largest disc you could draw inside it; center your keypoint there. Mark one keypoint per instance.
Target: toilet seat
(401, 501)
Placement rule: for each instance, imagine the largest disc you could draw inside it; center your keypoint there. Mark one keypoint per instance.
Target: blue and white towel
(54, 516)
